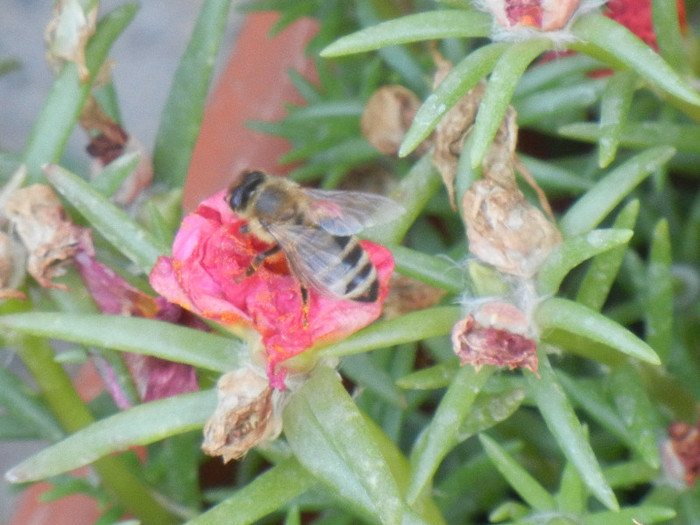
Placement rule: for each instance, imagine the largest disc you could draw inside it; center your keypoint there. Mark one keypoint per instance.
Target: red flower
(635, 15)
(207, 275)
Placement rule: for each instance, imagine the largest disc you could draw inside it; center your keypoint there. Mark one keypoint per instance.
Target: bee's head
(239, 196)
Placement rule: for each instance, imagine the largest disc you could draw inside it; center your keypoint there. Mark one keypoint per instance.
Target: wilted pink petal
(207, 275)
(495, 335)
(155, 378)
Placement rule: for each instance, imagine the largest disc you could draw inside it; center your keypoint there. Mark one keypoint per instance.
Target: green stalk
(72, 414)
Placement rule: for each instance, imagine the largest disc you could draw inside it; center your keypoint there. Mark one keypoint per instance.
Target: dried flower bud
(523, 19)
(496, 334)
(244, 417)
(681, 452)
(452, 131)
(505, 230)
(109, 141)
(51, 240)
(67, 35)
(388, 115)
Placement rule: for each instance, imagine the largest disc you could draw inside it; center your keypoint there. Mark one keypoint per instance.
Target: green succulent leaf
(599, 201)
(431, 25)
(568, 431)
(165, 340)
(140, 425)
(617, 100)
(597, 33)
(577, 319)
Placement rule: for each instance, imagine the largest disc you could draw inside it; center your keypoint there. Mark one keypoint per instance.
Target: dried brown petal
(244, 416)
(505, 230)
(495, 335)
(685, 445)
(67, 35)
(388, 115)
(51, 240)
(451, 133)
(409, 295)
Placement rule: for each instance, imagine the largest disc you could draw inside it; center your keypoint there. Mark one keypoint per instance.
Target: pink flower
(635, 15)
(207, 275)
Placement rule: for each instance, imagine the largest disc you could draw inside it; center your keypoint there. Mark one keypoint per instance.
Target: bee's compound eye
(239, 196)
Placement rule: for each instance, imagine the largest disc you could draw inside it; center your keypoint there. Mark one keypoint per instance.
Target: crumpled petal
(496, 334)
(245, 415)
(50, 238)
(206, 275)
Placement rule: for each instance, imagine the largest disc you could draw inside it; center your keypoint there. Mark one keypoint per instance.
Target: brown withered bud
(451, 133)
(496, 334)
(244, 416)
(51, 240)
(409, 295)
(682, 451)
(108, 142)
(67, 34)
(388, 115)
(505, 230)
(10, 273)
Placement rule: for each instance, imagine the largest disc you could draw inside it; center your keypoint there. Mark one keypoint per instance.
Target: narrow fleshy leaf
(659, 293)
(579, 320)
(431, 25)
(555, 178)
(414, 326)
(456, 84)
(268, 492)
(571, 436)
(669, 35)
(184, 108)
(366, 374)
(413, 193)
(556, 100)
(165, 340)
(636, 411)
(572, 252)
(642, 514)
(640, 135)
(440, 436)
(490, 409)
(527, 487)
(572, 495)
(497, 97)
(614, 107)
(436, 271)
(555, 72)
(597, 32)
(604, 267)
(140, 425)
(599, 201)
(20, 402)
(112, 176)
(635, 472)
(589, 398)
(438, 376)
(127, 236)
(329, 437)
(67, 96)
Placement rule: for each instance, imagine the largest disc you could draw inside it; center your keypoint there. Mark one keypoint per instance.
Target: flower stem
(72, 414)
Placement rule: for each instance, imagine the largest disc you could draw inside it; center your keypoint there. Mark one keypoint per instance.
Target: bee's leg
(305, 305)
(258, 260)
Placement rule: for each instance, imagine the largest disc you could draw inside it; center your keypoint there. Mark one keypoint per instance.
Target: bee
(315, 231)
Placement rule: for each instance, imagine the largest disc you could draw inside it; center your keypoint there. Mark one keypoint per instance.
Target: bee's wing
(348, 212)
(307, 250)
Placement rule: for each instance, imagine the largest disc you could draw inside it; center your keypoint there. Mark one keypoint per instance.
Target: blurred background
(145, 58)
